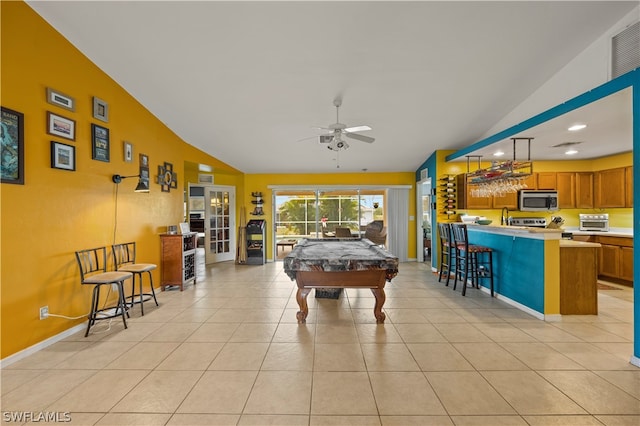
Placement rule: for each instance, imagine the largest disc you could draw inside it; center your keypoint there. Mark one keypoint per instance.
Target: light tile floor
(228, 351)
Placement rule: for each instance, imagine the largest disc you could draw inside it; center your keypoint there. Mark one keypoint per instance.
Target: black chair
(93, 271)
(472, 260)
(446, 251)
(124, 259)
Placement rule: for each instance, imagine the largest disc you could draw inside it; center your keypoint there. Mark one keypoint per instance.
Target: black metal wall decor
(167, 178)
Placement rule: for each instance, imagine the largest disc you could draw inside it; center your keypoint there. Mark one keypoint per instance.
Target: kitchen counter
(518, 231)
(578, 244)
(537, 271)
(613, 232)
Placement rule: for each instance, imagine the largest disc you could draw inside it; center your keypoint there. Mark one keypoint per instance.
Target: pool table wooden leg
(301, 298)
(377, 310)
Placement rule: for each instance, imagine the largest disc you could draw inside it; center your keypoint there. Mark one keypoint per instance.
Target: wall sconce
(143, 185)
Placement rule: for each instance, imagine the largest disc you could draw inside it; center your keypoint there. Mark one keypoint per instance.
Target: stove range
(534, 222)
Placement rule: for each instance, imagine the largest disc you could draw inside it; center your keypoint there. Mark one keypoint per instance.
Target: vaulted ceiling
(246, 81)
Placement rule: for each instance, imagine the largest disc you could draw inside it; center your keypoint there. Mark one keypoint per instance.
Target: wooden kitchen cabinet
(584, 190)
(609, 264)
(466, 201)
(509, 201)
(610, 188)
(616, 257)
(566, 185)
(578, 280)
(628, 171)
(546, 180)
(626, 263)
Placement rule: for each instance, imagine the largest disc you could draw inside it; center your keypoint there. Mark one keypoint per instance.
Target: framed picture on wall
(60, 99)
(100, 143)
(63, 127)
(128, 152)
(12, 153)
(63, 156)
(100, 110)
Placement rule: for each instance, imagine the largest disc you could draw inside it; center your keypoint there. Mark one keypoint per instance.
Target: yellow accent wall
(57, 212)
(552, 277)
(261, 182)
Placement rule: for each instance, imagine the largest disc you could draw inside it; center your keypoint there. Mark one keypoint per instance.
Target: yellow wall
(260, 183)
(57, 212)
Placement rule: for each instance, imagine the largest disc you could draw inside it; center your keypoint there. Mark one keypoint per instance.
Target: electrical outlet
(44, 312)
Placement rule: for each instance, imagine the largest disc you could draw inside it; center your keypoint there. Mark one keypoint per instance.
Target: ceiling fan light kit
(336, 131)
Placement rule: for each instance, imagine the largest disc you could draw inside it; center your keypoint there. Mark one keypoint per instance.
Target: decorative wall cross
(167, 178)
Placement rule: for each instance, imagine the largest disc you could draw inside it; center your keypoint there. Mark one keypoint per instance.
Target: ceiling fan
(335, 133)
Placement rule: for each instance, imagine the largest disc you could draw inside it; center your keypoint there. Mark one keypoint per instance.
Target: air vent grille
(565, 144)
(625, 51)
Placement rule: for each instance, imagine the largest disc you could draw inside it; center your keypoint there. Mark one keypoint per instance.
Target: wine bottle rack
(447, 195)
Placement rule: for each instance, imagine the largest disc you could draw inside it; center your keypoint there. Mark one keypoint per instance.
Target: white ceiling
(245, 81)
(609, 131)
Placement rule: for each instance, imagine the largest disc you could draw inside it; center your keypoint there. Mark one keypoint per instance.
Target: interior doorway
(212, 215)
(424, 247)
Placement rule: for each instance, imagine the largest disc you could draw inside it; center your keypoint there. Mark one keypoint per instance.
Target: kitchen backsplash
(618, 218)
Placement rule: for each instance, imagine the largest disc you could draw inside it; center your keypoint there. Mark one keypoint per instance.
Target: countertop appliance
(594, 222)
(533, 201)
(534, 222)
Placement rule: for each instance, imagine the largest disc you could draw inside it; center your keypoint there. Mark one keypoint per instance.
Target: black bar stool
(446, 251)
(472, 260)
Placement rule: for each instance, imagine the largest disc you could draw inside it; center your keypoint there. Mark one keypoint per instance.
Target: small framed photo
(128, 152)
(144, 160)
(100, 110)
(12, 143)
(184, 228)
(61, 126)
(63, 156)
(100, 143)
(60, 99)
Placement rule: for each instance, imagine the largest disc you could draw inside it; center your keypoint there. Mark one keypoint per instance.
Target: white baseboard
(41, 345)
(635, 361)
(515, 304)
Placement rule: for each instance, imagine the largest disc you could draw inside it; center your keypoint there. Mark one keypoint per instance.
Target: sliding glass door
(317, 213)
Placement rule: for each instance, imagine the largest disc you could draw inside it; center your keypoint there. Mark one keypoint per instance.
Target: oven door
(594, 225)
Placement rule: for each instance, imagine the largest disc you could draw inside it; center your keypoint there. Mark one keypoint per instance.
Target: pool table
(340, 263)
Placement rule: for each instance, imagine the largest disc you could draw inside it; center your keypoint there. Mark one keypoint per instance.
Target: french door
(220, 223)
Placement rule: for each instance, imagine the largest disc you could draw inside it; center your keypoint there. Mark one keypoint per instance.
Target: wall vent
(204, 178)
(625, 50)
(424, 174)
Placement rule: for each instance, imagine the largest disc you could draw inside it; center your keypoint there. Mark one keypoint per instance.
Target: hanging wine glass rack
(501, 177)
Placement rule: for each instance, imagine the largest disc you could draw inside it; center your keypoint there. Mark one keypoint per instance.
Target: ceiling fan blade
(361, 138)
(308, 138)
(357, 129)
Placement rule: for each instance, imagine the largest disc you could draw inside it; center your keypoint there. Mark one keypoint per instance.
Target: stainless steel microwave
(536, 201)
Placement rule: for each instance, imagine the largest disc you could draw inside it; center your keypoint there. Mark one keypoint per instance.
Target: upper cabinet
(584, 190)
(566, 186)
(610, 188)
(575, 190)
(546, 180)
